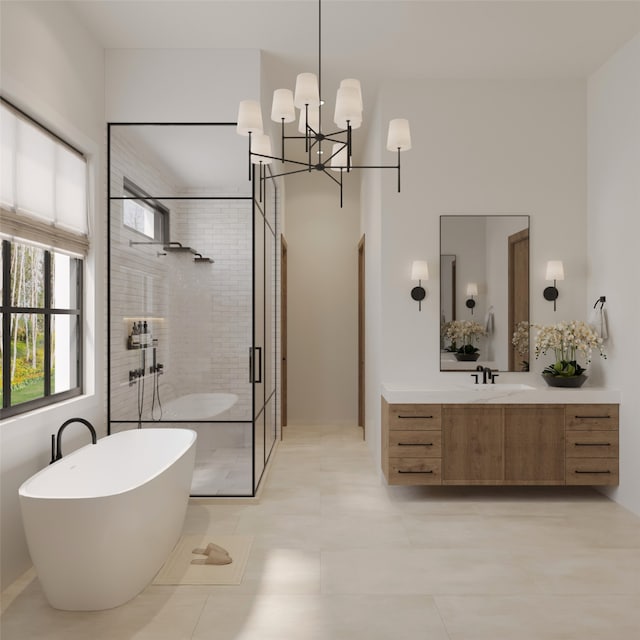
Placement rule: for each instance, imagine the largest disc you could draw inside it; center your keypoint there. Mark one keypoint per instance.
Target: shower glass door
(186, 317)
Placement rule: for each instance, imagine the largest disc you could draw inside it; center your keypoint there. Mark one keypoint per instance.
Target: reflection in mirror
(491, 252)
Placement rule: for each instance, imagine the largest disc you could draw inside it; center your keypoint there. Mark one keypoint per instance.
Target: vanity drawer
(415, 444)
(591, 416)
(593, 471)
(592, 444)
(409, 417)
(415, 471)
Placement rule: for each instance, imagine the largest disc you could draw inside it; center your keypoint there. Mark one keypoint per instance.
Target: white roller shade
(43, 182)
(35, 172)
(71, 191)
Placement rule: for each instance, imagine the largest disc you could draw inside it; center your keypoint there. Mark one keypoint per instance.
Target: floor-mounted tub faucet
(56, 448)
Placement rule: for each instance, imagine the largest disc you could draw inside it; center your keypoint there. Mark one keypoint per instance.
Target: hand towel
(489, 321)
(599, 322)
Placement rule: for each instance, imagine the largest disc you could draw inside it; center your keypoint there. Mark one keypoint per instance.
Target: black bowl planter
(467, 357)
(570, 382)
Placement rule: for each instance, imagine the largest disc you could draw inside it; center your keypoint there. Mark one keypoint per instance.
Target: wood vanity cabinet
(473, 438)
(412, 443)
(534, 444)
(500, 444)
(592, 444)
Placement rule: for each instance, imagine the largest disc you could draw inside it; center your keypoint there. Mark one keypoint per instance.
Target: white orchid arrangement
(463, 333)
(567, 340)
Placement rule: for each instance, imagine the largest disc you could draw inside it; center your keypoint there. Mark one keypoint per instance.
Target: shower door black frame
(257, 206)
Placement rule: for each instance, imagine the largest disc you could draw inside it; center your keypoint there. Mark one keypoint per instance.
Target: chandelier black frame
(340, 159)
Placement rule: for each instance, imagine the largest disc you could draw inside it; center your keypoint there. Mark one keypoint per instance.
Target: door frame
(516, 286)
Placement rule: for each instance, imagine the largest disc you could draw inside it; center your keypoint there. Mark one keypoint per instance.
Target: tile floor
(339, 556)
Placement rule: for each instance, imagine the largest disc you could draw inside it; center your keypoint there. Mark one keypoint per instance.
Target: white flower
(567, 339)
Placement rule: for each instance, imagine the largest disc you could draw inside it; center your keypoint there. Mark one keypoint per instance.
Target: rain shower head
(177, 246)
(200, 258)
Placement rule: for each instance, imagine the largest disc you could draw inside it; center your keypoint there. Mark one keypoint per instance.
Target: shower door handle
(253, 366)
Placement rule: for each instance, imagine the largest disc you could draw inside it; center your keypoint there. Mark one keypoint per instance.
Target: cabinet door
(534, 444)
(473, 443)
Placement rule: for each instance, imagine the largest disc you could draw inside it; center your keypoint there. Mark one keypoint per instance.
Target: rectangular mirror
(484, 292)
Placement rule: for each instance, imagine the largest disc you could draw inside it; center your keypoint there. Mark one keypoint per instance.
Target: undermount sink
(499, 388)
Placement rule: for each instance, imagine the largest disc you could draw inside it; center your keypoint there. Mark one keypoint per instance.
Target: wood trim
(514, 294)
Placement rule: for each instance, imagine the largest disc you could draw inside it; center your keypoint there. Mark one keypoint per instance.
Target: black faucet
(56, 449)
(487, 374)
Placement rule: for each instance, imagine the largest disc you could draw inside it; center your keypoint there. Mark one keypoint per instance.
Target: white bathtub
(101, 521)
(198, 406)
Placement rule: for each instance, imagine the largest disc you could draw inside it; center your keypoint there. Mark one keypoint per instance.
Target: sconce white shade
(282, 107)
(339, 157)
(555, 270)
(261, 143)
(306, 92)
(399, 135)
(472, 289)
(249, 118)
(419, 270)
(348, 106)
(314, 119)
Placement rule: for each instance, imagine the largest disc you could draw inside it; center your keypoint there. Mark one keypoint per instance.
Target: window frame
(132, 191)
(48, 312)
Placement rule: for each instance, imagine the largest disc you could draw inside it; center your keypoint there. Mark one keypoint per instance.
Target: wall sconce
(555, 271)
(419, 272)
(472, 290)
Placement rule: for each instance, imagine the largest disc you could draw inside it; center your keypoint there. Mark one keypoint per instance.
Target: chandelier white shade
(307, 91)
(261, 143)
(282, 108)
(309, 117)
(249, 118)
(307, 97)
(399, 135)
(348, 107)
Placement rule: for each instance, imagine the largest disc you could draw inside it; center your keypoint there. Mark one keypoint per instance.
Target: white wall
(479, 147)
(52, 68)
(614, 227)
(322, 243)
(180, 85)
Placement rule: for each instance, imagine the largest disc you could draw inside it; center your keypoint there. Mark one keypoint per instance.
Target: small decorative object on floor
(465, 333)
(567, 339)
(214, 555)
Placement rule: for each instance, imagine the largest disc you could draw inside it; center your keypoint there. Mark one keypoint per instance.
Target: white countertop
(505, 393)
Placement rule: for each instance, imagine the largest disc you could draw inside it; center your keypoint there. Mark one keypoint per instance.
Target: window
(41, 326)
(44, 237)
(144, 215)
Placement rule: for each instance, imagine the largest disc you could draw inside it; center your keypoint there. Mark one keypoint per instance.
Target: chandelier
(307, 98)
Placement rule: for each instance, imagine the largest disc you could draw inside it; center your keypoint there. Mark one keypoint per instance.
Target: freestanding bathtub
(198, 406)
(101, 521)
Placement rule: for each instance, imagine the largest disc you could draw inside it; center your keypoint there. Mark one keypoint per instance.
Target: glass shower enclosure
(192, 291)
